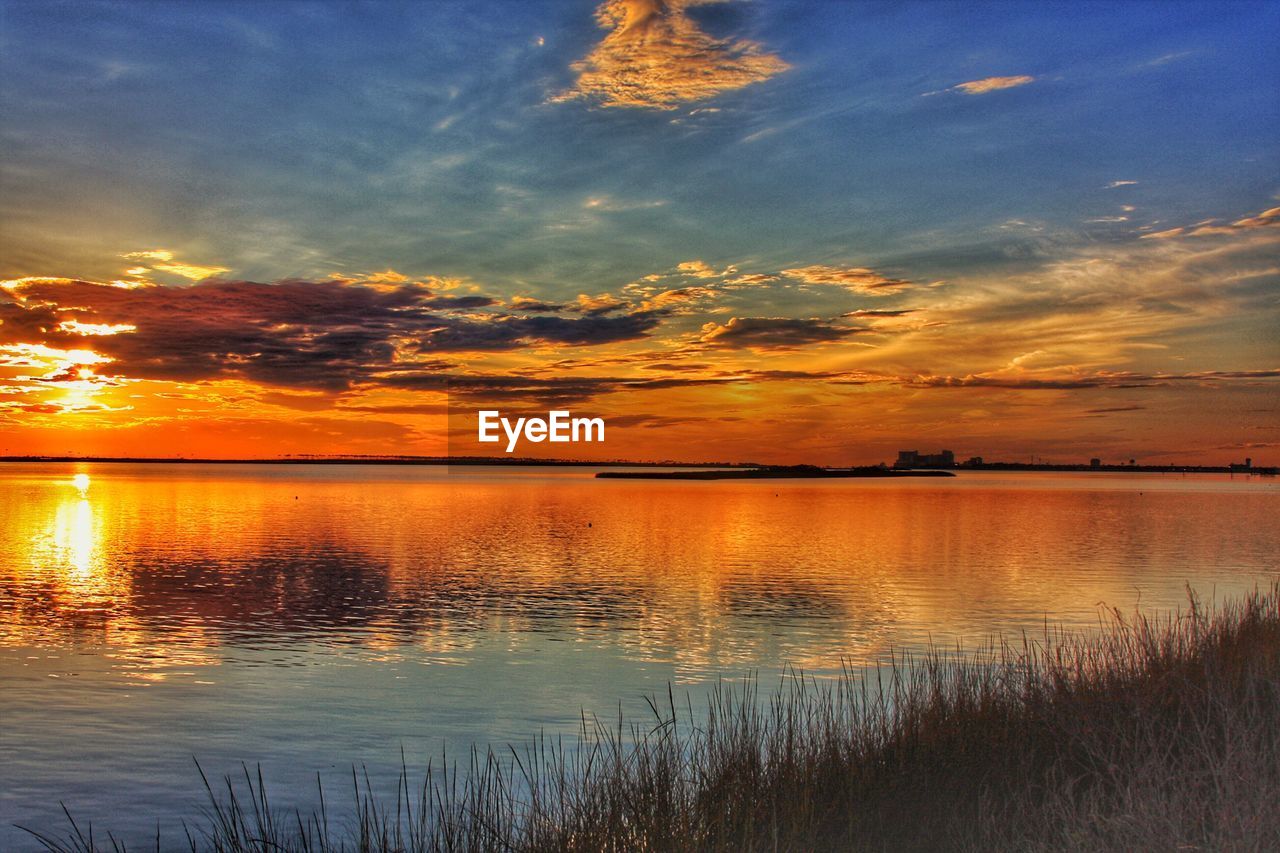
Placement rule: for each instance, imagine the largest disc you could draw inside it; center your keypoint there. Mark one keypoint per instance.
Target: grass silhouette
(1153, 733)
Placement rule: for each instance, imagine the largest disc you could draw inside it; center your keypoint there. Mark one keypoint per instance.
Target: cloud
(326, 335)
(697, 269)
(857, 279)
(1086, 379)
(149, 255)
(680, 299)
(75, 327)
(1114, 184)
(191, 271)
(992, 84)
(163, 261)
(528, 303)
(655, 56)
(1164, 235)
(865, 312)
(458, 302)
(751, 278)
(778, 333)
(506, 333)
(1265, 219)
(602, 304)
(1112, 409)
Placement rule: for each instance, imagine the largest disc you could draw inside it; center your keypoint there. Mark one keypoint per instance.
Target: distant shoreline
(743, 469)
(771, 472)
(382, 460)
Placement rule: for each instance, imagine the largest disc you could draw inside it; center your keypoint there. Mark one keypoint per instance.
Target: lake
(312, 617)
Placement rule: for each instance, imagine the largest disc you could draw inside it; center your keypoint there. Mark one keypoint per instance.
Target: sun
(81, 482)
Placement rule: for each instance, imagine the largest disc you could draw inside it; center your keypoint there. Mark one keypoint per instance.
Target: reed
(1152, 733)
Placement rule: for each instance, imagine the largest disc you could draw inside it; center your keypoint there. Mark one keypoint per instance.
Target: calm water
(310, 617)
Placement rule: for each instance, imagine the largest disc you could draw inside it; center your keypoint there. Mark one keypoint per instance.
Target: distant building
(1247, 466)
(974, 461)
(1095, 462)
(916, 459)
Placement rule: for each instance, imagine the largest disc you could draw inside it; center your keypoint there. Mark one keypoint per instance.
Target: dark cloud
(1113, 409)
(326, 335)
(789, 375)
(459, 302)
(678, 366)
(30, 324)
(1228, 374)
(525, 303)
(503, 333)
(773, 332)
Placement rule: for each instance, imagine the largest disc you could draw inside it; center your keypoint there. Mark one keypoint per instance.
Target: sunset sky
(765, 230)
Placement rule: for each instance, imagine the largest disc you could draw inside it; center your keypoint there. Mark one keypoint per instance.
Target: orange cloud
(162, 260)
(602, 304)
(697, 269)
(992, 84)
(1264, 219)
(857, 279)
(655, 56)
(678, 299)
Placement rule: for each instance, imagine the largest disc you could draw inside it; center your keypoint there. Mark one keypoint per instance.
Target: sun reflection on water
(69, 546)
(73, 535)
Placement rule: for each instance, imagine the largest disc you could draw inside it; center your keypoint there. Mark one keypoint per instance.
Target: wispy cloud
(856, 279)
(656, 56)
(1075, 380)
(1210, 227)
(991, 84)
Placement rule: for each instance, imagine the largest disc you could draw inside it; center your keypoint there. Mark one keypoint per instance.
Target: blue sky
(287, 138)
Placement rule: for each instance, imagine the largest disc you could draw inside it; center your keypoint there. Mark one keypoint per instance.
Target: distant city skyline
(773, 231)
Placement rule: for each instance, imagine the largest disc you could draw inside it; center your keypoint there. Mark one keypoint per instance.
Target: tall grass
(1155, 733)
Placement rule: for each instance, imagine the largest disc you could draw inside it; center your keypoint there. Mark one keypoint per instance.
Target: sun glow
(52, 355)
(78, 328)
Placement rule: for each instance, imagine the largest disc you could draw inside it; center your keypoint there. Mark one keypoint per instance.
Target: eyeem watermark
(558, 427)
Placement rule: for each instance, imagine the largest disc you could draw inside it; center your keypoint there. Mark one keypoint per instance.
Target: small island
(772, 472)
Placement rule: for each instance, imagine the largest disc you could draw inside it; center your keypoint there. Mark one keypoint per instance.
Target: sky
(755, 230)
